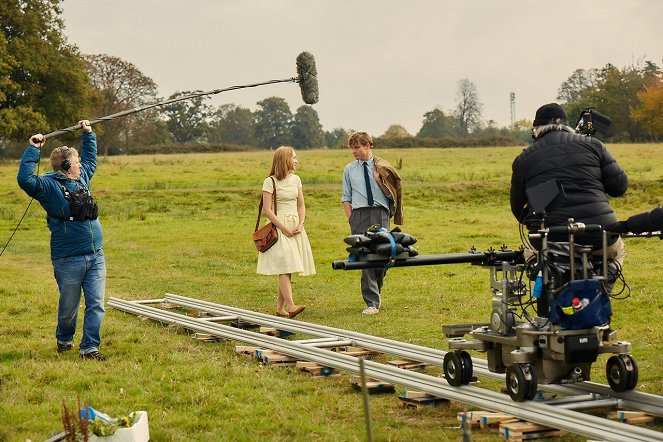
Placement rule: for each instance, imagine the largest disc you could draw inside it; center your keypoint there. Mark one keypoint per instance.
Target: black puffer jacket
(585, 171)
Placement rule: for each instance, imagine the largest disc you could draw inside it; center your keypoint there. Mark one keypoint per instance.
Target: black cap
(548, 113)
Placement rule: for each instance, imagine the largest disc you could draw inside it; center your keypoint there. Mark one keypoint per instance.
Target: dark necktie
(369, 192)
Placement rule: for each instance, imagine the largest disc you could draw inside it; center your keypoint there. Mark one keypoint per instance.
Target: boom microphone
(308, 77)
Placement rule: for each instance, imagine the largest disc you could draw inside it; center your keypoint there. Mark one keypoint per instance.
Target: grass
(182, 224)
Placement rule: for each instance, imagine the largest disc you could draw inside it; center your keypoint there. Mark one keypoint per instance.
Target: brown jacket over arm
(392, 181)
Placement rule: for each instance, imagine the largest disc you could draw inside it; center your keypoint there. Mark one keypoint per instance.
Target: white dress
(288, 255)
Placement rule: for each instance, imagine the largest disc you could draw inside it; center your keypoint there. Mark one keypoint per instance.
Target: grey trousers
(371, 279)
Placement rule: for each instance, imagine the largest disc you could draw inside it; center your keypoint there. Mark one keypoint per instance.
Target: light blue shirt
(354, 185)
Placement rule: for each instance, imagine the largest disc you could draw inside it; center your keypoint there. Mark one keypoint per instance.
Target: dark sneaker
(64, 347)
(93, 355)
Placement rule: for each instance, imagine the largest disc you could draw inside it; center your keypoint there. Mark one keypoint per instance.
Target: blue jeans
(73, 274)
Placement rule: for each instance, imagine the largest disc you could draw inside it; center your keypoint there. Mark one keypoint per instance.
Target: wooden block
(419, 399)
(489, 420)
(420, 405)
(408, 364)
(520, 430)
(493, 419)
(244, 325)
(246, 350)
(273, 331)
(278, 360)
(260, 352)
(314, 369)
(373, 386)
(471, 418)
(413, 394)
(358, 351)
(206, 337)
(271, 357)
(639, 420)
(632, 417)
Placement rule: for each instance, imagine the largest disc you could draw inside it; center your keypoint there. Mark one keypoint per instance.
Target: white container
(138, 432)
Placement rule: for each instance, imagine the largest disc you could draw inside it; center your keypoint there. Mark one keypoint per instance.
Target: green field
(182, 224)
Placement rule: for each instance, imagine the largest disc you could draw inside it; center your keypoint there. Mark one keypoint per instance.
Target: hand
(618, 227)
(288, 233)
(85, 125)
(298, 229)
(37, 141)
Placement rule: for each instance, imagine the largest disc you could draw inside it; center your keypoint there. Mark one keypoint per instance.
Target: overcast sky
(379, 62)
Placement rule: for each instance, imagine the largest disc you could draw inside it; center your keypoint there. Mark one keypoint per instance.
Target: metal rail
(632, 400)
(541, 413)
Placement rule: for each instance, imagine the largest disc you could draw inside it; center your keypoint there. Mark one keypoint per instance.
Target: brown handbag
(266, 236)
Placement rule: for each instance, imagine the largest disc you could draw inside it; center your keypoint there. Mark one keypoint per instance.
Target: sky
(379, 62)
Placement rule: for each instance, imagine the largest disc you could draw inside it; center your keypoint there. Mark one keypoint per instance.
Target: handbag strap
(260, 205)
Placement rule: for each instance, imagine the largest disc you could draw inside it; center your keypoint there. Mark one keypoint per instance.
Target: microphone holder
(165, 102)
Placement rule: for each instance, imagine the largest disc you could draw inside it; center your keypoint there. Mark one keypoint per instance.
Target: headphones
(65, 164)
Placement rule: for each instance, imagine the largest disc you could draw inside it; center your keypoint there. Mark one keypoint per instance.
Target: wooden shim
(314, 369)
(273, 331)
(358, 351)
(278, 360)
(244, 325)
(471, 418)
(489, 420)
(206, 337)
(420, 405)
(494, 420)
(413, 394)
(419, 399)
(271, 357)
(168, 305)
(520, 430)
(373, 386)
(632, 417)
(408, 364)
(246, 350)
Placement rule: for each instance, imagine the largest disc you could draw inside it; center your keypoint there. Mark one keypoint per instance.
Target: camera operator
(584, 173)
(76, 239)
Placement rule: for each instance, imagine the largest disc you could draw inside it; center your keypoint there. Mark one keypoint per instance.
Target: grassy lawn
(182, 223)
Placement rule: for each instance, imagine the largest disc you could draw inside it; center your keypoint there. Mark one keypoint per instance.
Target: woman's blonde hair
(282, 163)
(60, 154)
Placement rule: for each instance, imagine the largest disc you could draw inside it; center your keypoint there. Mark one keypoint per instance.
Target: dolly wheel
(467, 367)
(520, 382)
(453, 368)
(622, 373)
(634, 374)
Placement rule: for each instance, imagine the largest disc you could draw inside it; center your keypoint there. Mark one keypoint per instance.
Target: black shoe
(93, 355)
(64, 347)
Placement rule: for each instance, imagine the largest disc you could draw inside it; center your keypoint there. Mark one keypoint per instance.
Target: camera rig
(591, 121)
(550, 333)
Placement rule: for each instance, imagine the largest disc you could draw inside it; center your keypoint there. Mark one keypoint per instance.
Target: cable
(24, 213)
(17, 225)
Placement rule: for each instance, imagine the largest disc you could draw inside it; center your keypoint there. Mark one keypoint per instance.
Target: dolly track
(532, 411)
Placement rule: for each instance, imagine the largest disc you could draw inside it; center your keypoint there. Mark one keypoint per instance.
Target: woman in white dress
(292, 252)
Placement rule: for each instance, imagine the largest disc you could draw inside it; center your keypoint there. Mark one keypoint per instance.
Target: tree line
(46, 83)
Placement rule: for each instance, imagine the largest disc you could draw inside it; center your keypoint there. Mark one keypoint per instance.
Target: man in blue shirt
(76, 238)
(371, 196)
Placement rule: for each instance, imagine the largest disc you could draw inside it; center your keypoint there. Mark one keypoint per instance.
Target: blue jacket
(68, 238)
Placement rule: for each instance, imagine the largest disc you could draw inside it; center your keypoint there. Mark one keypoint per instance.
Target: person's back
(584, 172)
